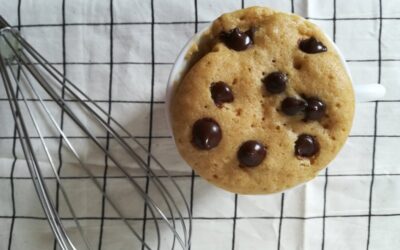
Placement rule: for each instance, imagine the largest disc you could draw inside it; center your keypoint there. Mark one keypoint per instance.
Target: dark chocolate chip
(312, 46)
(251, 153)
(292, 106)
(306, 146)
(206, 134)
(221, 93)
(237, 40)
(275, 82)
(315, 109)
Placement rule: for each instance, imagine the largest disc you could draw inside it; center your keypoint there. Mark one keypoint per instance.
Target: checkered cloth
(354, 204)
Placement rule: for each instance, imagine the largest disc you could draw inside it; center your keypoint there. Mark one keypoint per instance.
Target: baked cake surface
(267, 107)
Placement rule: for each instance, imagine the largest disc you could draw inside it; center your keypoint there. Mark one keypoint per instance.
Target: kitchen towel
(354, 204)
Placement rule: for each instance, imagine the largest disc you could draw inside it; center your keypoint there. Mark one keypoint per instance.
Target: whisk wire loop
(25, 70)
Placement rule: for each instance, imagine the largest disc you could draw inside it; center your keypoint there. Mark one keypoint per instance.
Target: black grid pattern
(236, 212)
(61, 142)
(145, 211)
(106, 160)
(10, 237)
(375, 126)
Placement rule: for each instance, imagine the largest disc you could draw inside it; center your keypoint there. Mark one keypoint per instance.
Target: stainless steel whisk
(32, 85)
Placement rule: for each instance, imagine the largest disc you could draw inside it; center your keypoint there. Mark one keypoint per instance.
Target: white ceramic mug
(363, 92)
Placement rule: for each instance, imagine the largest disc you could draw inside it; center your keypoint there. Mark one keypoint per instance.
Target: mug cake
(265, 104)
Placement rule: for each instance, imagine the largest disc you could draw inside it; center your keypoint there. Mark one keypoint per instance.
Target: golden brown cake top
(267, 107)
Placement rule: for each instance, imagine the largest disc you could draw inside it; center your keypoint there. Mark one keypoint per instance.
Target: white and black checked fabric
(121, 51)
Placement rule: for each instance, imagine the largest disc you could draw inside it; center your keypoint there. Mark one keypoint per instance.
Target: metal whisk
(33, 86)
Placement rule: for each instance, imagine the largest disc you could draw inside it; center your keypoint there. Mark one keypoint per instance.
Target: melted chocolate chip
(221, 93)
(206, 134)
(306, 146)
(275, 82)
(312, 46)
(251, 153)
(315, 109)
(292, 106)
(237, 40)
